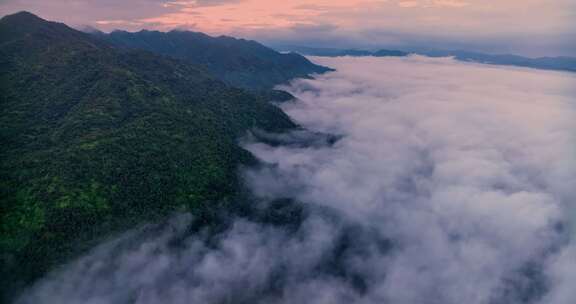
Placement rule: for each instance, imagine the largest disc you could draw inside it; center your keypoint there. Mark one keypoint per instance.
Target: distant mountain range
(547, 63)
(99, 135)
(330, 52)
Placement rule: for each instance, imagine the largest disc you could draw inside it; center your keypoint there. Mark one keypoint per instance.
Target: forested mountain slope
(96, 139)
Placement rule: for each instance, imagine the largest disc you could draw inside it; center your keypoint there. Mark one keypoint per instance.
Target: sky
(452, 183)
(528, 27)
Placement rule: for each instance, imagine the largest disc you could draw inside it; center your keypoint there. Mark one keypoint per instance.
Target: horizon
(534, 28)
(280, 45)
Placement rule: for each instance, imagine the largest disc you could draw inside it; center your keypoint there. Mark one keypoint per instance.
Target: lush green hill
(96, 139)
(240, 62)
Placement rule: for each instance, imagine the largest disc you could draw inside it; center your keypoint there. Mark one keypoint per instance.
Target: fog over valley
(412, 180)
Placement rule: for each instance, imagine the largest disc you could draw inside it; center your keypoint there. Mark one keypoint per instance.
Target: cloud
(462, 164)
(314, 28)
(408, 4)
(449, 3)
(201, 3)
(562, 271)
(434, 3)
(451, 182)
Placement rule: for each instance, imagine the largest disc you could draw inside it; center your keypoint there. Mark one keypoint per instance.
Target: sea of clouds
(451, 183)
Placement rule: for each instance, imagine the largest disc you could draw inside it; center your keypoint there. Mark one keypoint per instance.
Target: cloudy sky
(530, 27)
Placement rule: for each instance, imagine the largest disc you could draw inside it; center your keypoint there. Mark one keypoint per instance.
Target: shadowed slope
(240, 62)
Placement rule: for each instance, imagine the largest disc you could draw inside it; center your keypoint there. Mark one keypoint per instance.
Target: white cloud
(469, 166)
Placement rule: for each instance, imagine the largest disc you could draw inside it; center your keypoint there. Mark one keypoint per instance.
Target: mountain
(96, 139)
(545, 63)
(331, 52)
(239, 62)
(390, 53)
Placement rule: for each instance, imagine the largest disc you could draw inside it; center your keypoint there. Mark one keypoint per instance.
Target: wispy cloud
(200, 3)
(433, 3)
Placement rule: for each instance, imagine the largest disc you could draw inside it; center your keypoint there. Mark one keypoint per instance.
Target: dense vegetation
(240, 62)
(96, 139)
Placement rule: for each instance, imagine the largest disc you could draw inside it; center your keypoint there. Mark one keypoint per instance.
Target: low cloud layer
(451, 183)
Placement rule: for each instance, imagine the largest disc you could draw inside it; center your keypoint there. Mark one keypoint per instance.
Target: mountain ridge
(239, 62)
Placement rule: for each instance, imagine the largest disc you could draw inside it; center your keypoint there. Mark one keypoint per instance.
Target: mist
(449, 182)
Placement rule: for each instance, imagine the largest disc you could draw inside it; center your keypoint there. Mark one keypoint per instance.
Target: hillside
(239, 62)
(96, 139)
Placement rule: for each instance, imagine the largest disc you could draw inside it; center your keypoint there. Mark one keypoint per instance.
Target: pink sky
(354, 22)
(487, 16)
